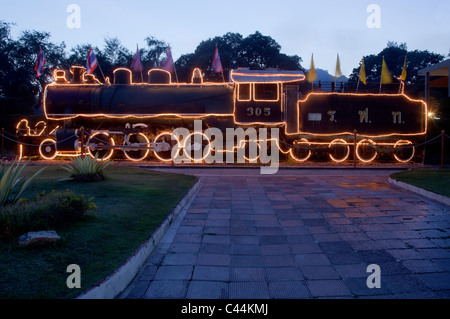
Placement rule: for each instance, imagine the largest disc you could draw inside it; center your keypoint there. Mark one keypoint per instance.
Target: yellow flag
(386, 77)
(403, 76)
(338, 72)
(362, 73)
(312, 75)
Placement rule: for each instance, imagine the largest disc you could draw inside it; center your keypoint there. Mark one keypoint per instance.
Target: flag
(312, 75)
(362, 73)
(168, 64)
(386, 77)
(216, 64)
(91, 62)
(39, 67)
(338, 72)
(403, 76)
(136, 64)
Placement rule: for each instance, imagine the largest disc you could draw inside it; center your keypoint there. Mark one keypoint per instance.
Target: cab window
(244, 92)
(266, 92)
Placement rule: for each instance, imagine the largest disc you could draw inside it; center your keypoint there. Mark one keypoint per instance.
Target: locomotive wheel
(47, 149)
(300, 152)
(338, 150)
(95, 143)
(139, 140)
(402, 153)
(197, 146)
(365, 152)
(166, 156)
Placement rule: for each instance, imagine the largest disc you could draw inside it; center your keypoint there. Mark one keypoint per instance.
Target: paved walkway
(300, 234)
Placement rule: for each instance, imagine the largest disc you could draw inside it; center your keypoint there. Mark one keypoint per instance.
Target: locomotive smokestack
(77, 74)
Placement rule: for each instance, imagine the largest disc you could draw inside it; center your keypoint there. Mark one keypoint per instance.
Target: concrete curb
(118, 281)
(440, 198)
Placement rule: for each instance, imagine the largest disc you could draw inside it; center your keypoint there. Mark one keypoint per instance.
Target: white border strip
(440, 198)
(119, 280)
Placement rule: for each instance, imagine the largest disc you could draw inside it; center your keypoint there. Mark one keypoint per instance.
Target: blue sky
(322, 27)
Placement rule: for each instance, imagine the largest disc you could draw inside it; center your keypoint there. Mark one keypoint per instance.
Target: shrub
(10, 178)
(48, 211)
(86, 169)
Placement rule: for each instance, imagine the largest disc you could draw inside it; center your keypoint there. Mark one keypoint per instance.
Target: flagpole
(175, 70)
(381, 76)
(98, 63)
(142, 76)
(359, 75)
(402, 77)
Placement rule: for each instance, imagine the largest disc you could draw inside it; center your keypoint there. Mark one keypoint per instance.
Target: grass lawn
(437, 181)
(131, 203)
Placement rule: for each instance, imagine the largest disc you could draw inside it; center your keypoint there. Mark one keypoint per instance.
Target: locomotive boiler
(136, 120)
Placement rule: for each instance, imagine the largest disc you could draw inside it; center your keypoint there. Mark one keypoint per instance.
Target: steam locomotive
(134, 120)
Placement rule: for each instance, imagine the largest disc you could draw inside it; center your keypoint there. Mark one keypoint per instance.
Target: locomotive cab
(260, 95)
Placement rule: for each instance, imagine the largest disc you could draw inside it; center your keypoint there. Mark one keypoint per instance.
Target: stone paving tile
(319, 272)
(207, 290)
(328, 288)
(174, 273)
(211, 273)
(139, 289)
(358, 287)
(403, 283)
(301, 237)
(422, 266)
(352, 270)
(213, 259)
(404, 254)
(288, 290)
(247, 274)
(180, 259)
(283, 273)
(444, 263)
(248, 290)
(312, 259)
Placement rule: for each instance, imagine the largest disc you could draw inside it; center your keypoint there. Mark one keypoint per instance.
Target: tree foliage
(255, 52)
(18, 58)
(394, 55)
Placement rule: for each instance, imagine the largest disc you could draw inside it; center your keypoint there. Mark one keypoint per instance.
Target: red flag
(91, 62)
(136, 64)
(39, 67)
(168, 64)
(216, 64)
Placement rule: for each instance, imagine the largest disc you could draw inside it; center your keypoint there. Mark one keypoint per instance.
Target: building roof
(266, 76)
(439, 69)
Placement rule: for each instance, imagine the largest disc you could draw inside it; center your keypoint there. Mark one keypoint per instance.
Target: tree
(255, 51)
(394, 55)
(18, 77)
(6, 65)
(155, 53)
(115, 54)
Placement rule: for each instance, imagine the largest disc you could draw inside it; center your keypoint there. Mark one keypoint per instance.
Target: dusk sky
(322, 27)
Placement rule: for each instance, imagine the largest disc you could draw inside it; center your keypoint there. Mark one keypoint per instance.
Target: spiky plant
(86, 169)
(10, 177)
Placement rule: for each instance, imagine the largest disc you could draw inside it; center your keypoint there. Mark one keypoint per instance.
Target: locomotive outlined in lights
(136, 119)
